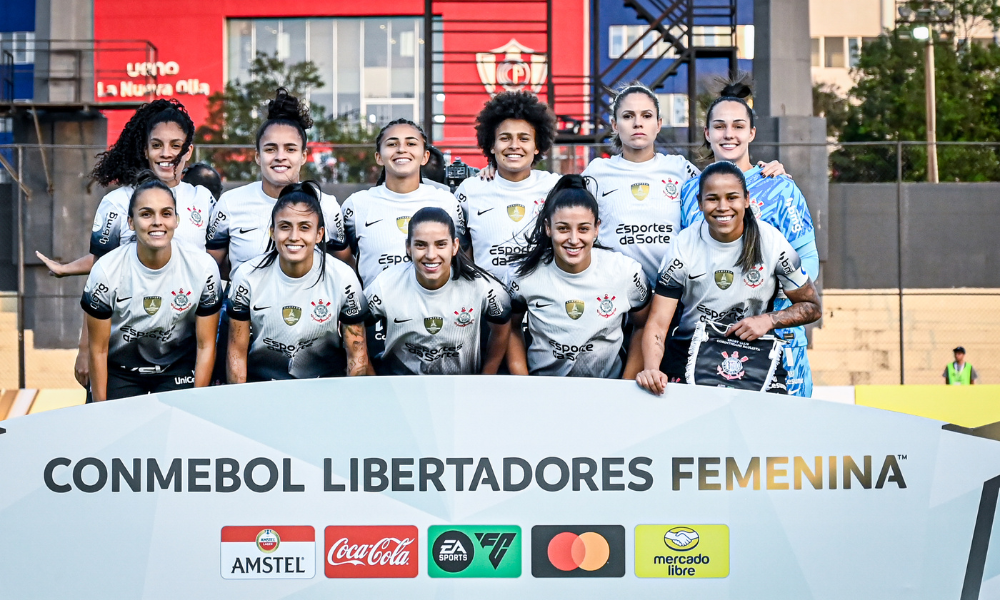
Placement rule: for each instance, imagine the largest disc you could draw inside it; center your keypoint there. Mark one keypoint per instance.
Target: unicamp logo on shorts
(474, 551)
(259, 552)
(683, 551)
(578, 551)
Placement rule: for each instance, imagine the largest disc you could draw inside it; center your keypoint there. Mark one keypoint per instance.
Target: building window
(620, 37)
(834, 47)
(853, 51)
(21, 45)
(371, 68)
(673, 109)
(745, 42)
(817, 52)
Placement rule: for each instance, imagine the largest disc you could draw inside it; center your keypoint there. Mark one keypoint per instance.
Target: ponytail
(751, 254)
(461, 265)
(308, 193)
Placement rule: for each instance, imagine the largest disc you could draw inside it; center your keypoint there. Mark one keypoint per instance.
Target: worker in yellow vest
(960, 372)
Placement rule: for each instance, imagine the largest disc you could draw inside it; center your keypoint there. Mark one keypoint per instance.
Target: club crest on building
(754, 277)
(732, 366)
(291, 314)
(511, 67)
(433, 324)
(403, 223)
(640, 190)
(574, 308)
(196, 216)
(724, 279)
(515, 212)
(606, 306)
(181, 301)
(151, 304)
(464, 317)
(321, 312)
(268, 541)
(671, 188)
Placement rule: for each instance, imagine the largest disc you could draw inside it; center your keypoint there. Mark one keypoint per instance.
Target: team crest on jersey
(754, 277)
(291, 314)
(182, 300)
(515, 212)
(671, 188)
(539, 205)
(403, 223)
(321, 311)
(640, 190)
(756, 206)
(574, 308)
(724, 279)
(196, 217)
(732, 366)
(151, 304)
(464, 317)
(433, 324)
(606, 306)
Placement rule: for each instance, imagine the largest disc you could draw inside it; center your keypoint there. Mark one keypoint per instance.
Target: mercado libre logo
(682, 551)
(578, 551)
(474, 551)
(371, 552)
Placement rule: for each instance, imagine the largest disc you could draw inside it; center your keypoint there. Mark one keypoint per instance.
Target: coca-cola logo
(376, 551)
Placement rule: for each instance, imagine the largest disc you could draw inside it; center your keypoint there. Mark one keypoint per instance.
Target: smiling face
(723, 203)
(154, 218)
(163, 148)
(573, 230)
(729, 132)
(514, 148)
(431, 248)
(402, 151)
(637, 121)
(281, 155)
(296, 232)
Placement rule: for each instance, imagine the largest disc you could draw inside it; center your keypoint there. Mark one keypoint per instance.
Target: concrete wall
(949, 235)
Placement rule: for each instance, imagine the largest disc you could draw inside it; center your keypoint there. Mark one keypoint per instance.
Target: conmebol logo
(376, 551)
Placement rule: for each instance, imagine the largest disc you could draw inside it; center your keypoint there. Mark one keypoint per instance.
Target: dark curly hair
(515, 105)
(123, 162)
(286, 109)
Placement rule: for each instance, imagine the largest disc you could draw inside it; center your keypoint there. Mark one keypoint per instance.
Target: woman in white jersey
(152, 305)
(435, 303)
(158, 137)
(726, 270)
(291, 308)
(514, 130)
(575, 293)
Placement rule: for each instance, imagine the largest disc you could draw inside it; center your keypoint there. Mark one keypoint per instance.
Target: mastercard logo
(578, 551)
(588, 551)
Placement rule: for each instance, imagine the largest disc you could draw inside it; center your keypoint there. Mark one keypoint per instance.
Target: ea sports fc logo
(268, 541)
(578, 551)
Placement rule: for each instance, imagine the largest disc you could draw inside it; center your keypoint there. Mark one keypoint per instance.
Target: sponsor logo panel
(474, 551)
(268, 552)
(682, 551)
(385, 551)
(578, 551)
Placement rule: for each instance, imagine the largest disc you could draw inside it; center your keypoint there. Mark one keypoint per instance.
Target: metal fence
(888, 333)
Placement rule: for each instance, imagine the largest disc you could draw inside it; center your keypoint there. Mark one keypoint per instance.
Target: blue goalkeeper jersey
(774, 200)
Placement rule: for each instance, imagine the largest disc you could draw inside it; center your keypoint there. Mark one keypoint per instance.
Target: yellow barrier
(971, 406)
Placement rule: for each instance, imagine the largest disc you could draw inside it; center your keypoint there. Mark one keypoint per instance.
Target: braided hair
(122, 163)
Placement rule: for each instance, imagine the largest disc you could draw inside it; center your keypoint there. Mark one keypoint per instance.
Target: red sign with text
(376, 551)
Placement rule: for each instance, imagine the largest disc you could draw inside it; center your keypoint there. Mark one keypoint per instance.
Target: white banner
(493, 487)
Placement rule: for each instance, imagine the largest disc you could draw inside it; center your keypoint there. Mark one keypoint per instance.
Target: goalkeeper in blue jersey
(774, 200)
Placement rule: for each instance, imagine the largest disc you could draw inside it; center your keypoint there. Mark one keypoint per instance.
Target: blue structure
(17, 71)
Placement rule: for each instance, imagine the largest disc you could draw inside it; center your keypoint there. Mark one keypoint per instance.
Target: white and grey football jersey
(575, 319)
(295, 323)
(434, 332)
(702, 273)
(241, 223)
(152, 312)
(377, 220)
(639, 204)
(110, 230)
(500, 213)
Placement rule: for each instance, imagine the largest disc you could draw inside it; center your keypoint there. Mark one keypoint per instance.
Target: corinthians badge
(574, 308)
(606, 306)
(321, 312)
(732, 366)
(754, 277)
(464, 317)
(291, 314)
(433, 324)
(151, 304)
(181, 300)
(511, 67)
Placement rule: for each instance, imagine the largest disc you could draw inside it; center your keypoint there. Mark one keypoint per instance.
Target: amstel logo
(515, 212)
(268, 541)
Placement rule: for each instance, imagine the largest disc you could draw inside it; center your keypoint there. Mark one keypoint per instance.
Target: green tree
(235, 113)
(830, 103)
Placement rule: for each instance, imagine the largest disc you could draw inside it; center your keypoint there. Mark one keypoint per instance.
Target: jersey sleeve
(373, 296)
(690, 213)
(98, 294)
(690, 170)
(354, 308)
(673, 274)
(240, 294)
(211, 295)
(217, 236)
(496, 303)
(336, 236)
(788, 267)
(512, 283)
(461, 229)
(462, 195)
(794, 218)
(638, 288)
(350, 224)
(106, 234)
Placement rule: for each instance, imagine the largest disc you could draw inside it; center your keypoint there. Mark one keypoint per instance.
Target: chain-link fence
(889, 315)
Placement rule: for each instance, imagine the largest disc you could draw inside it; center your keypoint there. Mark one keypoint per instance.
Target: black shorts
(124, 383)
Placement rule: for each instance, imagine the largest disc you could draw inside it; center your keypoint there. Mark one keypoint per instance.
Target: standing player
(288, 307)
(434, 304)
(773, 200)
(152, 305)
(725, 270)
(513, 130)
(576, 295)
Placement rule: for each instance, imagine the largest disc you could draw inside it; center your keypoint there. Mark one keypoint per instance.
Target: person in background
(204, 175)
(960, 372)
(433, 172)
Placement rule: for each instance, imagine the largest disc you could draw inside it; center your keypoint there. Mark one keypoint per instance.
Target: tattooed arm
(654, 341)
(805, 309)
(357, 350)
